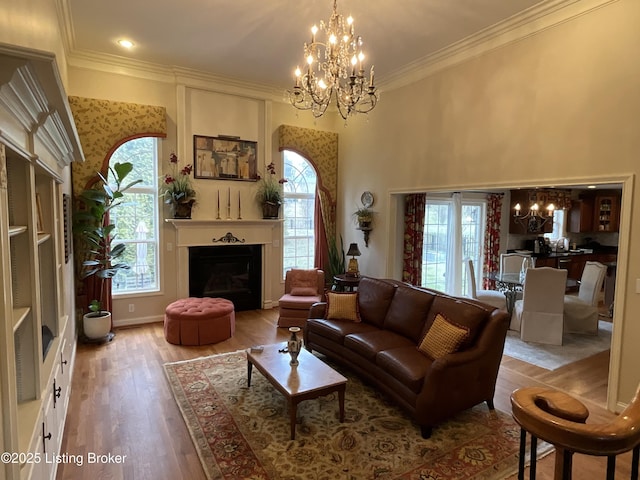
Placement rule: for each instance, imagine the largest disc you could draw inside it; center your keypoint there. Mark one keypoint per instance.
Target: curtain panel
(414, 210)
(492, 237)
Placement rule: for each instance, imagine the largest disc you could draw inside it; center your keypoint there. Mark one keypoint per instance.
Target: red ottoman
(199, 321)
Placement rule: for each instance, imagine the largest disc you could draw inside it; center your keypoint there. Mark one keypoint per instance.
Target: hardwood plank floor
(121, 402)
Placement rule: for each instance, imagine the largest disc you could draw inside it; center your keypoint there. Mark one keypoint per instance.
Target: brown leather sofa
(383, 348)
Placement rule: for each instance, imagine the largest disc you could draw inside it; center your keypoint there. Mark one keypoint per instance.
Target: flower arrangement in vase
(269, 193)
(177, 189)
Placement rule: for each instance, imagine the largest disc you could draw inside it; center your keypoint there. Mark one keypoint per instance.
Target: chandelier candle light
(335, 69)
(533, 220)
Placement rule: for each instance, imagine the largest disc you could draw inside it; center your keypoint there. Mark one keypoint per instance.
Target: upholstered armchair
(302, 288)
(581, 312)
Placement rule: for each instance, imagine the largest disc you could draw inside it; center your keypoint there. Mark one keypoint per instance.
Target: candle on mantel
(218, 200)
(239, 207)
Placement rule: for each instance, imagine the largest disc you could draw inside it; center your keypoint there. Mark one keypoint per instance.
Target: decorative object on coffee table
(294, 345)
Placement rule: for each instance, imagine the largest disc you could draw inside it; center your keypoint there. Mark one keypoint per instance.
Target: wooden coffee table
(311, 378)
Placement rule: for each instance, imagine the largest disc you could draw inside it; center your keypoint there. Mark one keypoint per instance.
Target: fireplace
(233, 272)
(262, 236)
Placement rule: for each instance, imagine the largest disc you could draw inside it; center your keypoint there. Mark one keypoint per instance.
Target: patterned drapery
(414, 210)
(492, 236)
(104, 125)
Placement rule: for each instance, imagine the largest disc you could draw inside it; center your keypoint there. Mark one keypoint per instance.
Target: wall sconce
(534, 220)
(352, 269)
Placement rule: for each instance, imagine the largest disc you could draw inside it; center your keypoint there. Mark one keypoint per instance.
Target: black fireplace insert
(233, 272)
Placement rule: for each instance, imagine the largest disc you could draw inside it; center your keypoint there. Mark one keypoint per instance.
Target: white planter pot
(96, 324)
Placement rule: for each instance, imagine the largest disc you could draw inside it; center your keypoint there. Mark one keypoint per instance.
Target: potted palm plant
(95, 234)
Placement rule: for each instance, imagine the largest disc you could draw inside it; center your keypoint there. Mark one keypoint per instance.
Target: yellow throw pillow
(442, 338)
(342, 306)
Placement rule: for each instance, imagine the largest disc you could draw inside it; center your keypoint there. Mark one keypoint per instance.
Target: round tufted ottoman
(199, 321)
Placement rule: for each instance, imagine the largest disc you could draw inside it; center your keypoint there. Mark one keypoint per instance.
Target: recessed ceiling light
(125, 43)
(591, 186)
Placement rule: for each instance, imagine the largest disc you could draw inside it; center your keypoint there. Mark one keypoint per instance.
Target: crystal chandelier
(334, 69)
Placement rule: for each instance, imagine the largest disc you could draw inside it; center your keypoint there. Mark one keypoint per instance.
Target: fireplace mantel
(195, 233)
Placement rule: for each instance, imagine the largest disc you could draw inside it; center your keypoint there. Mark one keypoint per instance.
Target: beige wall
(33, 24)
(561, 105)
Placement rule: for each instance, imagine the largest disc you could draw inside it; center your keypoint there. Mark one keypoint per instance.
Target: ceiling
(261, 42)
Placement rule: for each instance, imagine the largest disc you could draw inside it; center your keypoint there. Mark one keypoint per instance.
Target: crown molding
(522, 25)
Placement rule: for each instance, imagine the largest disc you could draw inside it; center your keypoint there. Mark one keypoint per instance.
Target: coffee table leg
(249, 369)
(341, 402)
(293, 409)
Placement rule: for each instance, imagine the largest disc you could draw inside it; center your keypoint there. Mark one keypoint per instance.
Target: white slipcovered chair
(490, 297)
(512, 262)
(539, 315)
(581, 312)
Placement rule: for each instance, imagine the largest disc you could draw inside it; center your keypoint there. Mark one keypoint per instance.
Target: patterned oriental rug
(244, 433)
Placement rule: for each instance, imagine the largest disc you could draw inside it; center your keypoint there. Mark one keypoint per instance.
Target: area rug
(244, 433)
(575, 346)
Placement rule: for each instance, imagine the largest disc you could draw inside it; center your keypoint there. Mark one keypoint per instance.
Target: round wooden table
(345, 283)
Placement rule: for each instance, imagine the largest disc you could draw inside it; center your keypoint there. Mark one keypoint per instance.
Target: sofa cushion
(303, 278)
(406, 364)
(342, 306)
(460, 312)
(374, 297)
(443, 337)
(408, 312)
(368, 344)
(297, 302)
(303, 291)
(336, 330)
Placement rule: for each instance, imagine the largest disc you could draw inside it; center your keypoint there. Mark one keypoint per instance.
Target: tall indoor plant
(95, 233)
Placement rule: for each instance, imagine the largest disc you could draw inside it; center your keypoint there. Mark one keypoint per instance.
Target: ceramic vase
(294, 345)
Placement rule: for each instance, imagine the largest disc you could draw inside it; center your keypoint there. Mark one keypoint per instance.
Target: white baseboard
(138, 321)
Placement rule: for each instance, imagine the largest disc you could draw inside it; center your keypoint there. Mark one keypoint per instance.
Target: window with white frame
(298, 212)
(136, 218)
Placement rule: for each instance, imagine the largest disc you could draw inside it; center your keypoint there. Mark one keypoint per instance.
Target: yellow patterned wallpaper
(104, 125)
(321, 149)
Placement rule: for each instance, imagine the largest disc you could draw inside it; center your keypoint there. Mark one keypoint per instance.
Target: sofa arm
(317, 310)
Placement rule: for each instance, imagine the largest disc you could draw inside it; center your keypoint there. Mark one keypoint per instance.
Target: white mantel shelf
(187, 222)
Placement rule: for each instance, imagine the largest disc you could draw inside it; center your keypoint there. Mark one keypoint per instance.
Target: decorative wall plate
(367, 199)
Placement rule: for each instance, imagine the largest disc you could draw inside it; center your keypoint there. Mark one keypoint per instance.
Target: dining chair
(494, 298)
(581, 311)
(539, 315)
(512, 262)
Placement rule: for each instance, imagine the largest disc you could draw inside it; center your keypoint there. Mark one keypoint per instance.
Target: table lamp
(352, 269)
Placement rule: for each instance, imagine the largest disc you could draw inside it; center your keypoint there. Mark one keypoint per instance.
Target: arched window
(299, 203)
(136, 218)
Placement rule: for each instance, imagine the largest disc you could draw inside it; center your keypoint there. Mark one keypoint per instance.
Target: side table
(345, 283)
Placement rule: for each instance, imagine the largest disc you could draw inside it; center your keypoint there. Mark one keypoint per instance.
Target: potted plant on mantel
(100, 256)
(269, 193)
(177, 189)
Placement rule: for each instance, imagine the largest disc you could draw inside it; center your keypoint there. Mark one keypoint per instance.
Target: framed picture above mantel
(225, 158)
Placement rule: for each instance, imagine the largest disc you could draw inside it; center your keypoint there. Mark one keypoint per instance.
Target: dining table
(512, 283)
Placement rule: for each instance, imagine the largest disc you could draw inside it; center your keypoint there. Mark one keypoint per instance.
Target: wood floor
(121, 402)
